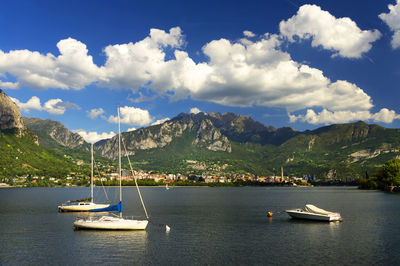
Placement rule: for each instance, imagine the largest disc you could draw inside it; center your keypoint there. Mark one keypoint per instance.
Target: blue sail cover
(117, 207)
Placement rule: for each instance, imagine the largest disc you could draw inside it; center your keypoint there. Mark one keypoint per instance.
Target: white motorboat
(113, 222)
(83, 205)
(311, 212)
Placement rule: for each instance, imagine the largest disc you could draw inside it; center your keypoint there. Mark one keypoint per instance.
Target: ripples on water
(214, 226)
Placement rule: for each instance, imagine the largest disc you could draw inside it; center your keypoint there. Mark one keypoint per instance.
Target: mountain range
(236, 141)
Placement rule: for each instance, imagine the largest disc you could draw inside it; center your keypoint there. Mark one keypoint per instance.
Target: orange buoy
(269, 214)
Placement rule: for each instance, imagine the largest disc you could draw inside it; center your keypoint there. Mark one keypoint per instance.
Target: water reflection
(109, 239)
(311, 223)
(334, 227)
(112, 246)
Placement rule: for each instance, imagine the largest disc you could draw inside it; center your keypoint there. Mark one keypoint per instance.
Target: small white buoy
(167, 228)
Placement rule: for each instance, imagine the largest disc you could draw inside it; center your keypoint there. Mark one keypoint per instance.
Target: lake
(209, 226)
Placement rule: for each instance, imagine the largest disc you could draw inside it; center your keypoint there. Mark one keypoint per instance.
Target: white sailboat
(83, 205)
(115, 222)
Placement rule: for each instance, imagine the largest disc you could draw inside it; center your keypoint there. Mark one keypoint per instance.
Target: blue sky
(294, 63)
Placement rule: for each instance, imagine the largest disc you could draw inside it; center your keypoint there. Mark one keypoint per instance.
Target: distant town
(202, 175)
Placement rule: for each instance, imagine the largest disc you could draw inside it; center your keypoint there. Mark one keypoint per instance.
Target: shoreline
(172, 187)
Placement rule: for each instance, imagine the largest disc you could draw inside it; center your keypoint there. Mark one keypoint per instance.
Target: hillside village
(205, 174)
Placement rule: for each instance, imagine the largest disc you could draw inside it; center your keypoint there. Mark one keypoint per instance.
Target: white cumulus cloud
(392, 19)
(95, 112)
(52, 106)
(195, 110)
(248, 34)
(132, 116)
(72, 69)
(9, 85)
(146, 58)
(385, 115)
(93, 137)
(262, 74)
(32, 104)
(328, 117)
(341, 35)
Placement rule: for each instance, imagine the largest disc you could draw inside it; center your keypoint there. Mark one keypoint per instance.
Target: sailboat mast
(119, 157)
(91, 174)
(137, 186)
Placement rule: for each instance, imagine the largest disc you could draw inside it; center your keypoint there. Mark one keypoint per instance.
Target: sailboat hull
(111, 223)
(81, 207)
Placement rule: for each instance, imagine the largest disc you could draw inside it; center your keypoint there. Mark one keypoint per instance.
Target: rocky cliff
(10, 116)
(49, 130)
(213, 132)
(202, 131)
(242, 129)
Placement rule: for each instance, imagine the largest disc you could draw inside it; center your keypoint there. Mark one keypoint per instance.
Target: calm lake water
(209, 226)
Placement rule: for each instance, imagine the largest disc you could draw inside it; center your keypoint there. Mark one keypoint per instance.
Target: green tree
(368, 183)
(389, 174)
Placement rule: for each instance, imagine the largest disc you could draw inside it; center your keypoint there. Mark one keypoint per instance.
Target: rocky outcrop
(10, 116)
(206, 135)
(369, 154)
(54, 130)
(311, 143)
(242, 129)
(211, 138)
(213, 131)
